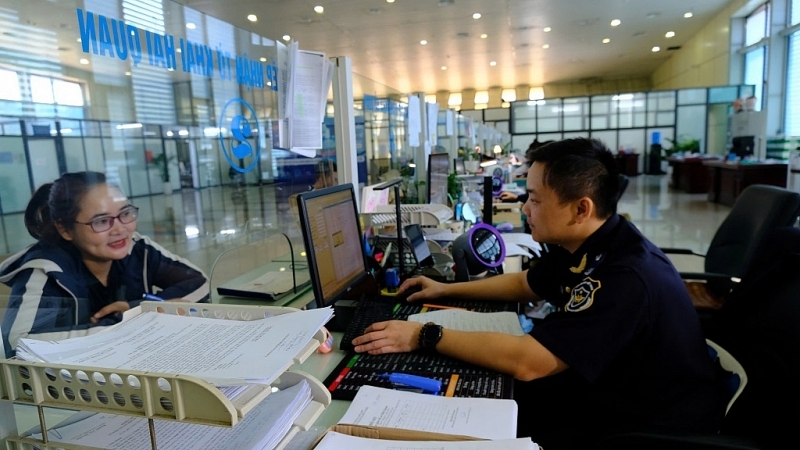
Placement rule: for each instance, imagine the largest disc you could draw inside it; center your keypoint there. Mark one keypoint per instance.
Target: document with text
(476, 417)
(463, 320)
(338, 441)
(222, 352)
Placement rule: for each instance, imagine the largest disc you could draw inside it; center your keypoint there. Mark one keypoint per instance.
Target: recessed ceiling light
(656, 49)
(286, 37)
(127, 74)
(688, 15)
(615, 22)
(389, 1)
(84, 61)
(252, 17)
(79, 39)
(191, 26)
(444, 67)
(546, 29)
(492, 63)
(319, 9)
(476, 16)
(546, 46)
(606, 40)
(423, 42)
(669, 34)
(263, 59)
(484, 36)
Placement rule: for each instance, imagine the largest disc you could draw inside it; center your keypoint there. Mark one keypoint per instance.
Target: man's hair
(580, 167)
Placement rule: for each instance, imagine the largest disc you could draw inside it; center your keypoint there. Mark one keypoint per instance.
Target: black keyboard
(459, 379)
(379, 309)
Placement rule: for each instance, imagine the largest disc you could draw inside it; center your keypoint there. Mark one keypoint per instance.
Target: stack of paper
(222, 352)
(463, 320)
(481, 418)
(338, 441)
(262, 428)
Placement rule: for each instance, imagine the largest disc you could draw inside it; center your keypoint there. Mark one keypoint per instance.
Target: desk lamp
(478, 250)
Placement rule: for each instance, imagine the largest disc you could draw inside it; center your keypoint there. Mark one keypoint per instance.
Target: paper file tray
(149, 394)
(426, 215)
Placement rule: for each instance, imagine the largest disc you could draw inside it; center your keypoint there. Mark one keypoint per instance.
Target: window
(756, 25)
(42, 90)
(792, 126)
(10, 82)
(754, 72)
(795, 12)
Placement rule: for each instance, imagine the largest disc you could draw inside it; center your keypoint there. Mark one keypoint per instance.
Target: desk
(628, 163)
(689, 174)
(729, 179)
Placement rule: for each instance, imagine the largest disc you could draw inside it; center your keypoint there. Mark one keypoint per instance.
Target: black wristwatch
(429, 335)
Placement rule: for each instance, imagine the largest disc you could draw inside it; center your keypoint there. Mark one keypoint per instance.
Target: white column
(344, 122)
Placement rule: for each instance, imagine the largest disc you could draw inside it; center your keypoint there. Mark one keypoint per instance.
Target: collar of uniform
(594, 245)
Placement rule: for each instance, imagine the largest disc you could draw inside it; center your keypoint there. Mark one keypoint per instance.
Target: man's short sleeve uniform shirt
(623, 322)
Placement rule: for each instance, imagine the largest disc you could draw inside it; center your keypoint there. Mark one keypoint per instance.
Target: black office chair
(623, 184)
(757, 212)
(758, 325)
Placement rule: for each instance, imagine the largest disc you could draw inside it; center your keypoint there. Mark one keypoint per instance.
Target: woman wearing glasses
(89, 264)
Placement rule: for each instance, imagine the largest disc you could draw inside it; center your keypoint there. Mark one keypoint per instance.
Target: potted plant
(472, 159)
(684, 144)
(162, 162)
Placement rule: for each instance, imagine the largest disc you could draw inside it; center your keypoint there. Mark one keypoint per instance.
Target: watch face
(432, 335)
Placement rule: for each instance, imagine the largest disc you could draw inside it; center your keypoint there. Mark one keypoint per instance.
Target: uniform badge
(582, 295)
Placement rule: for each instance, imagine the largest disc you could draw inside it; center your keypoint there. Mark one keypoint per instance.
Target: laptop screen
(332, 238)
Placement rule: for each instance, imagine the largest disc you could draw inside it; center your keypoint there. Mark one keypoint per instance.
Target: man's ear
(62, 230)
(584, 209)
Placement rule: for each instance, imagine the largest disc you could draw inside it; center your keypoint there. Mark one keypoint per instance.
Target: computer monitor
(438, 171)
(459, 167)
(743, 146)
(332, 237)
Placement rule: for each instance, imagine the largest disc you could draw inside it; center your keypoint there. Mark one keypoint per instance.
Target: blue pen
(152, 297)
(428, 385)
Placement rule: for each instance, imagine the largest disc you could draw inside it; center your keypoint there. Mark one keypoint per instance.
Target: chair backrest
(758, 325)
(757, 212)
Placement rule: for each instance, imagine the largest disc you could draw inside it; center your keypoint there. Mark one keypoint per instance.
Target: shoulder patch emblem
(582, 295)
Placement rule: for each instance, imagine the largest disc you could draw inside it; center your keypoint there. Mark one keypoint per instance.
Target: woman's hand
(114, 308)
(394, 336)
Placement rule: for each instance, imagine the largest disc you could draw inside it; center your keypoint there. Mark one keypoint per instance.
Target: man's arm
(522, 357)
(509, 287)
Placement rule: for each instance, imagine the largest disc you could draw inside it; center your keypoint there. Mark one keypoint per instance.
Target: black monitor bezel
(311, 257)
(444, 156)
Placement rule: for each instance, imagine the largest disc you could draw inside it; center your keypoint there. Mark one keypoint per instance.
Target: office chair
(757, 212)
(623, 184)
(758, 326)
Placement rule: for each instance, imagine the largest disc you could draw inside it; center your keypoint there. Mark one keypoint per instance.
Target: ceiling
(383, 39)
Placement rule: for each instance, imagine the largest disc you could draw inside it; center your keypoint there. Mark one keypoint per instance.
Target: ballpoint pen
(152, 297)
(428, 385)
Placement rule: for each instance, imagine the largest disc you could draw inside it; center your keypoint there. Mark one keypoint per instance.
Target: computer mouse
(504, 226)
(408, 292)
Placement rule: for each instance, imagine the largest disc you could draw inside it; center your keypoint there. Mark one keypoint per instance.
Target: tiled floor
(201, 224)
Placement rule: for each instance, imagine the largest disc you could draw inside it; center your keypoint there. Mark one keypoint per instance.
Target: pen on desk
(152, 297)
(432, 306)
(429, 385)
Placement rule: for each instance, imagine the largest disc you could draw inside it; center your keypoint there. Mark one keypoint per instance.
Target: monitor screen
(459, 167)
(418, 243)
(332, 238)
(438, 171)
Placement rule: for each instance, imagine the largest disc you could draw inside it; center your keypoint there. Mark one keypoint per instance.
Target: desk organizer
(147, 394)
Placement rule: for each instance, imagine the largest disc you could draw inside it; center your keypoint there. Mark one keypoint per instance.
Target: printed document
(222, 352)
(338, 441)
(477, 417)
(463, 320)
(262, 428)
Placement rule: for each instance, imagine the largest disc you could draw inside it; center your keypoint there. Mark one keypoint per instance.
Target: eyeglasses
(102, 224)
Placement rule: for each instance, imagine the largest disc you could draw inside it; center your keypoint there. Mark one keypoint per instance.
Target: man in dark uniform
(624, 351)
